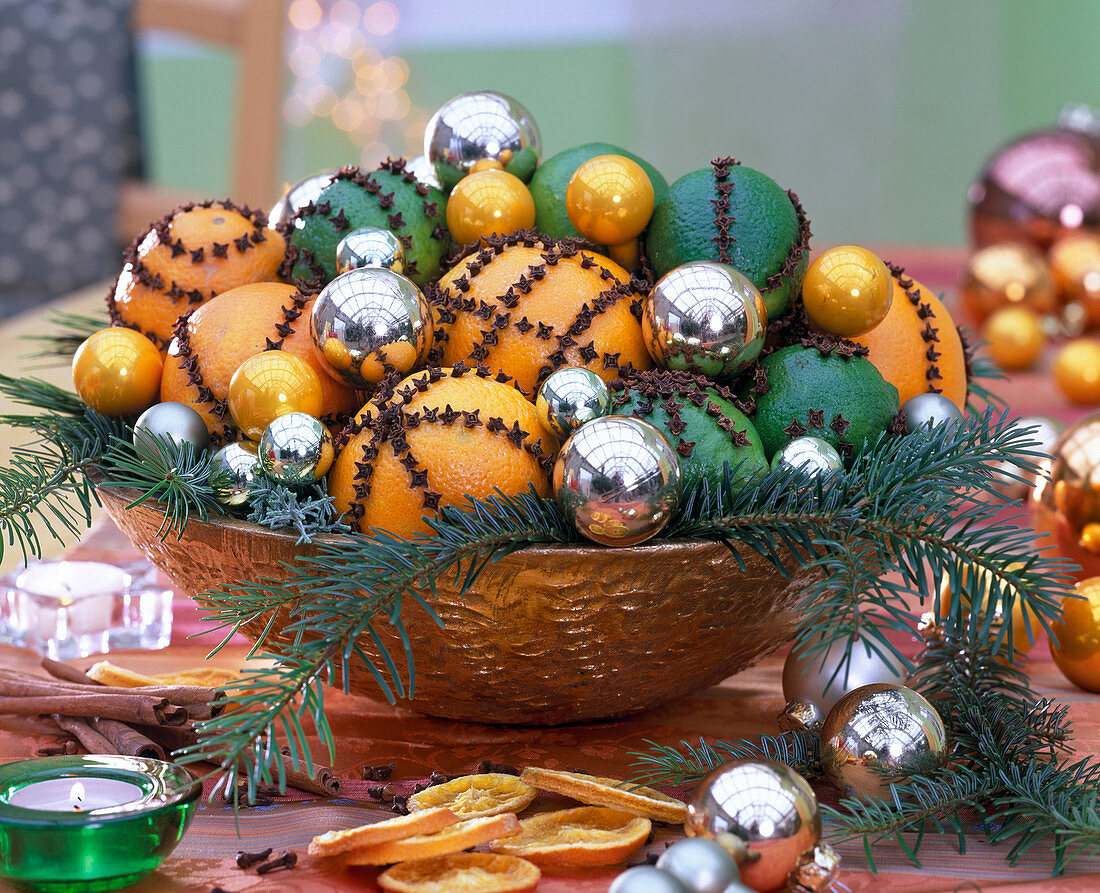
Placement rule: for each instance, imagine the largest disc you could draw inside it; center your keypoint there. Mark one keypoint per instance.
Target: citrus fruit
(462, 873)
(610, 792)
(916, 347)
(577, 838)
(438, 436)
(426, 821)
(188, 257)
(453, 839)
(551, 182)
(213, 341)
(117, 371)
(738, 216)
(823, 389)
(1077, 370)
(390, 197)
(526, 307)
(701, 421)
(471, 796)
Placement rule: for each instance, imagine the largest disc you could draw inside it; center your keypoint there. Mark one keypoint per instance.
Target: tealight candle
(76, 796)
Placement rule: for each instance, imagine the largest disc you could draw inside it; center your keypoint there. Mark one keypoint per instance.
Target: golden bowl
(547, 635)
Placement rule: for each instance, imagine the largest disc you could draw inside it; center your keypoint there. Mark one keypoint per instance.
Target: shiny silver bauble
(618, 480)
(177, 422)
(810, 455)
(878, 734)
(929, 411)
(1009, 480)
(238, 465)
(646, 879)
(298, 196)
(296, 450)
(570, 397)
(368, 323)
(481, 126)
(701, 865)
(706, 318)
(421, 168)
(370, 246)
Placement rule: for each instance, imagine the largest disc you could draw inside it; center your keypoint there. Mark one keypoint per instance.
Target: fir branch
(688, 763)
(308, 512)
(41, 395)
(71, 330)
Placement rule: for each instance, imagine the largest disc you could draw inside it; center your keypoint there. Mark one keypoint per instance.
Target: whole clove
(247, 860)
(286, 860)
(382, 792)
(56, 750)
(487, 766)
(378, 773)
(400, 805)
(441, 778)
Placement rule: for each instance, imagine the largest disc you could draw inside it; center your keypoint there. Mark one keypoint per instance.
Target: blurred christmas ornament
(422, 169)
(478, 125)
(706, 318)
(296, 449)
(810, 455)
(768, 805)
(170, 421)
(646, 879)
(928, 411)
(239, 463)
(1040, 186)
(298, 196)
(370, 246)
(847, 291)
(117, 372)
(570, 397)
(815, 870)
(1025, 625)
(814, 682)
(369, 322)
(1077, 651)
(1077, 370)
(1075, 265)
(701, 865)
(487, 202)
(618, 480)
(609, 199)
(877, 735)
(1015, 337)
(271, 384)
(1007, 274)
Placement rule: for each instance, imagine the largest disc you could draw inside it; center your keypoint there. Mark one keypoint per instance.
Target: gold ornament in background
(1007, 275)
(1016, 338)
(1020, 621)
(117, 372)
(1077, 653)
(489, 201)
(1075, 265)
(847, 291)
(1077, 370)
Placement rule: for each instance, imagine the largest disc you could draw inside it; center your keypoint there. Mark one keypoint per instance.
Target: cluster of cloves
(263, 861)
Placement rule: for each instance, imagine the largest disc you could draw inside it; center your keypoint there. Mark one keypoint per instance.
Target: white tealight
(75, 795)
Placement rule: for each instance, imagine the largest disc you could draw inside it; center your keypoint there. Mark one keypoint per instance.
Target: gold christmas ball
(1005, 275)
(1077, 370)
(1015, 337)
(1077, 653)
(1022, 620)
(272, 384)
(1075, 264)
(486, 202)
(117, 372)
(609, 199)
(847, 291)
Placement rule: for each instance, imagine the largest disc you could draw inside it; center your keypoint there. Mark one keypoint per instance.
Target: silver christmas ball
(878, 734)
(369, 322)
(706, 318)
(240, 463)
(296, 449)
(646, 879)
(810, 455)
(175, 421)
(1044, 433)
(371, 246)
(701, 865)
(767, 805)
(570, 397)
(477, 126)
(929, 410)
(813, 683)
(422, 169)
(618, 480)
(298, 196)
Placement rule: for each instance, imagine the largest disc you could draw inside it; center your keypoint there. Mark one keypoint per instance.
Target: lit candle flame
(76, 795)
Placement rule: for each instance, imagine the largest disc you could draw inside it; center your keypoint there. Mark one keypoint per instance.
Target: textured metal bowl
(548, 635)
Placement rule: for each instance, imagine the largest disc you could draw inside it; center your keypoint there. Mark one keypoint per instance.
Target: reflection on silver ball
(810, 455)
(298, 196)
(706, 318)
(481, 125)
(618, 480)
(422, 169)
(646, 879)
(241, 464)
(176, 421)
(296, 449)
(369, 322)
(768, 805)
(878, 734)
(570, 397)
(1043, 435)
(371, 246)
(701, 865)
(929, 410)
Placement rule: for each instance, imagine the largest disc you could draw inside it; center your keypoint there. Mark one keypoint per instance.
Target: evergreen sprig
(309, 512)
(70, 331)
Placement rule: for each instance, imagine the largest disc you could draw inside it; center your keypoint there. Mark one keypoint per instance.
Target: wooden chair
(254, 28)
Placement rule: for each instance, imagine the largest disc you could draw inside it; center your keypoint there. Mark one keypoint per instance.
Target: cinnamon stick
(201, 702)
(128, 740)
(146, 710)
(323, 781)
(69, 674)
(92, 740)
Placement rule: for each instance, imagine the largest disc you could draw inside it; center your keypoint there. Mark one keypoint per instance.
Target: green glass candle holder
(88, 823)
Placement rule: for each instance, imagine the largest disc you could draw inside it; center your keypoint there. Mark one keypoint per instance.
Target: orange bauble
(437, 437)
(1077, 652)
(212, 342)
(186, 258)
(1015, 337)
(1077, 370)
(526, 307)
(117, 372)
(917, 347)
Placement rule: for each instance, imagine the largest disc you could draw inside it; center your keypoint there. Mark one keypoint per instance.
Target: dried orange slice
(454, 839)
(608, 792)
(427, 821)
(461, 873)
(575, 838)
(473, 796)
